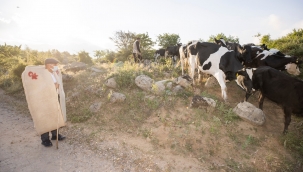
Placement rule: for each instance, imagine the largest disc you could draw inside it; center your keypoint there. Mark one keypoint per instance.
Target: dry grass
(215, 138)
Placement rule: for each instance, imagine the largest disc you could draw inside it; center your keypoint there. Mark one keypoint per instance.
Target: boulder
(250, 113)
(185, 81)
(111, 82)
(211, 82)
(177, 89)
(116, 97)
(93, 69)
(144, 82)
(75, 66)
(95, 107)
(200, 102)
(169, 85)
(158, 87)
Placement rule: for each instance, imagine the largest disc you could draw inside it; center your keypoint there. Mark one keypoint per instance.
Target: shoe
(47, 143)
(60, 137)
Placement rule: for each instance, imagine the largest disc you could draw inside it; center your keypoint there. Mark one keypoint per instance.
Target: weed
(147, 133)
(250, 140)
(227, 113)
(293, 141)
(189, 146)
(81, 116)
(232, 164)
(206, 94)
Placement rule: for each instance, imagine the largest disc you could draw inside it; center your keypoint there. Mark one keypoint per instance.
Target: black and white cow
(184, 56)
(173, 51)
(280, 88)
(242, 53)
(158, 53)
(220, 62)
(267, 58)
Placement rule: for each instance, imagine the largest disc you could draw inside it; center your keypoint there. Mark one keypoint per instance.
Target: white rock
(185, 81)
(75, 66)
(199, 101)
(158, 88)
(144, 82)
(111, 82)
(250, 113)
(169, 85)
(116, 97)
(95, 107)
(96, 70)
(177, 88)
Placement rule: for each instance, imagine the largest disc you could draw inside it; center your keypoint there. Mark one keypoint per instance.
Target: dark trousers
(45, 136)
(137, 57)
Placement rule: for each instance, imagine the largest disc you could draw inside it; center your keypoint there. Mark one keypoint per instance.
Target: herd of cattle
(252, 67)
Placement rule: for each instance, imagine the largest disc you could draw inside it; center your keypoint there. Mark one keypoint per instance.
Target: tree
(146, 45)
(165, 40)
(221, 35)
(84, 57)
(291, 44)
(125, 40)
(99, 53)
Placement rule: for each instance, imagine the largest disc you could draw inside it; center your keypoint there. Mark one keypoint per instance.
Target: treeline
(13, 59)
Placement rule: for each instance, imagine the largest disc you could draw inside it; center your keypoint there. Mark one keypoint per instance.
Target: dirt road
(21, 149)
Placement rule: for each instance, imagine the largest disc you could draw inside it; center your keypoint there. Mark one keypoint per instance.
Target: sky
(77, 25)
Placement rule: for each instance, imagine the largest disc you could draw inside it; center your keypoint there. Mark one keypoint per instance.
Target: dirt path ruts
(21, 149)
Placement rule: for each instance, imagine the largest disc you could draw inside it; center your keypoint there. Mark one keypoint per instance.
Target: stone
(111, 83)
(96, 70)
(185, 81)
(211, 82)
(250, 113)
(158, 87)
(95, 107)
(75, 66)
(116, 97)
(177, 89)
(144, 82)
(200, 101)
(169, 85)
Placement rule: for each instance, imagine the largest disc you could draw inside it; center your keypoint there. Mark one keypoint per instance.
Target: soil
(21, 149)
(89, 148)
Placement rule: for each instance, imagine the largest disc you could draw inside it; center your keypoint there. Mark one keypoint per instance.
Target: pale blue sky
(75, 25)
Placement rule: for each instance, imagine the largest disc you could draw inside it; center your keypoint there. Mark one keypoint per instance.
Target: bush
(17, 71)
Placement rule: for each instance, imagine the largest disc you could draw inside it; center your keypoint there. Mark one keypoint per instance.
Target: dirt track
(21, 149)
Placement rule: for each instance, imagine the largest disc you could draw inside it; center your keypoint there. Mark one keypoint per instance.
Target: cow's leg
(182, 64)
(261, 100)
(192, 64)
(156, 57)
(199, 71)
(287, 116)
(220, 76)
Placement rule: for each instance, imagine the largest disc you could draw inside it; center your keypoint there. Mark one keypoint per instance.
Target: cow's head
(292, 67)
(244, 53)
(244, 81)
(264, 47)
(220, 42)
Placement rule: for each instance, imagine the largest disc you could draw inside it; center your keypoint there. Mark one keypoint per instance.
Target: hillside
(163, 134)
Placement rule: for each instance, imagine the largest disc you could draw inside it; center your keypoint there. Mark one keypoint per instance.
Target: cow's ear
(240, 50)
(198, 44)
